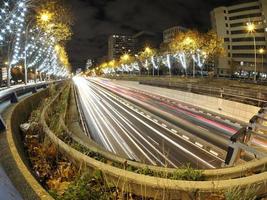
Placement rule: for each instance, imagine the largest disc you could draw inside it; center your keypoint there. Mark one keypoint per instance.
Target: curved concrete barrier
(155, 187)
(16, 161)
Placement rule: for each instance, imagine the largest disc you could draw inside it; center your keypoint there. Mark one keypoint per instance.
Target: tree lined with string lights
(193, 47)
(189, 49)
(31, 30)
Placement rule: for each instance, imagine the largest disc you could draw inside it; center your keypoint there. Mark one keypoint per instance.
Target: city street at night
(133, 100)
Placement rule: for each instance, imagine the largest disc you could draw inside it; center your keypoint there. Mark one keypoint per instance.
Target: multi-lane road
(134, 133)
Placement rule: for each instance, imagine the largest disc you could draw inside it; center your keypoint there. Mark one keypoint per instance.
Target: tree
(62, 55)
(212, 45)
(55, 19)
(148, 56)
(125, 61)
(197, 47)
(185, 45)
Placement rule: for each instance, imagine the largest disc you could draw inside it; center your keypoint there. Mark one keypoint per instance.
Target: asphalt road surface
(131, 133)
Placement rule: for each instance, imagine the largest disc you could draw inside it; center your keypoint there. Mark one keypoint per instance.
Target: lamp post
(251, 29)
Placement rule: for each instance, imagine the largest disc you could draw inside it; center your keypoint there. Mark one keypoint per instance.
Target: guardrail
(13, 94)
(239, 140)
(244, 95)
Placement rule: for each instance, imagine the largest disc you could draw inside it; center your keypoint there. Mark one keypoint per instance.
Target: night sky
(95, 20)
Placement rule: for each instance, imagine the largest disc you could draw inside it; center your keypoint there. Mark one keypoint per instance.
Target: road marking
(185, 137)
(164, 125)
(174, 131)
(214, 153)
(198, 144)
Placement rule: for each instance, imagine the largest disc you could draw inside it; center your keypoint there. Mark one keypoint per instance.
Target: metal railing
(254, 97)
(13, 94)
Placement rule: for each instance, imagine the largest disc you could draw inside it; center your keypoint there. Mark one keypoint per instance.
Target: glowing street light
(188, 41)
(251, 29)
(261, 51)
(46, 16)
(125, 57)
(148, 50)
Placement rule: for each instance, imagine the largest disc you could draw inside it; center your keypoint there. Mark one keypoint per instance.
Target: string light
(39, 46)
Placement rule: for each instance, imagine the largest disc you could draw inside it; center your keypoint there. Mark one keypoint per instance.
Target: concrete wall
(13, 156)
(239, 111)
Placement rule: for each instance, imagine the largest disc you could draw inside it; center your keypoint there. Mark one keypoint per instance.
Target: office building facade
(119, 45)
(170, 33)
(233, 24)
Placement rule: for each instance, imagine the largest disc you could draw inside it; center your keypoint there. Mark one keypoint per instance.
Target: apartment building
(170, 33)
(243, 28)
(119, 45)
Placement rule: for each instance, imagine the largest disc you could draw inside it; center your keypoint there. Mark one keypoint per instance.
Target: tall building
(119, 45)
(146, 38)
(232, 23)
(170, 33)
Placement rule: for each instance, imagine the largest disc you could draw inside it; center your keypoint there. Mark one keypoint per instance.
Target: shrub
(86, 187)
(145, 171)
(188, 174)
(237, 193)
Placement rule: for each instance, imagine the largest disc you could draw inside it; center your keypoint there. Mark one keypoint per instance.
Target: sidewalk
(7, 190)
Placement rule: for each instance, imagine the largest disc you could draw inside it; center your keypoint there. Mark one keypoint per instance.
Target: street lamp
(45, 16)
(148, 50)
(125, 57)
(251, 29)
